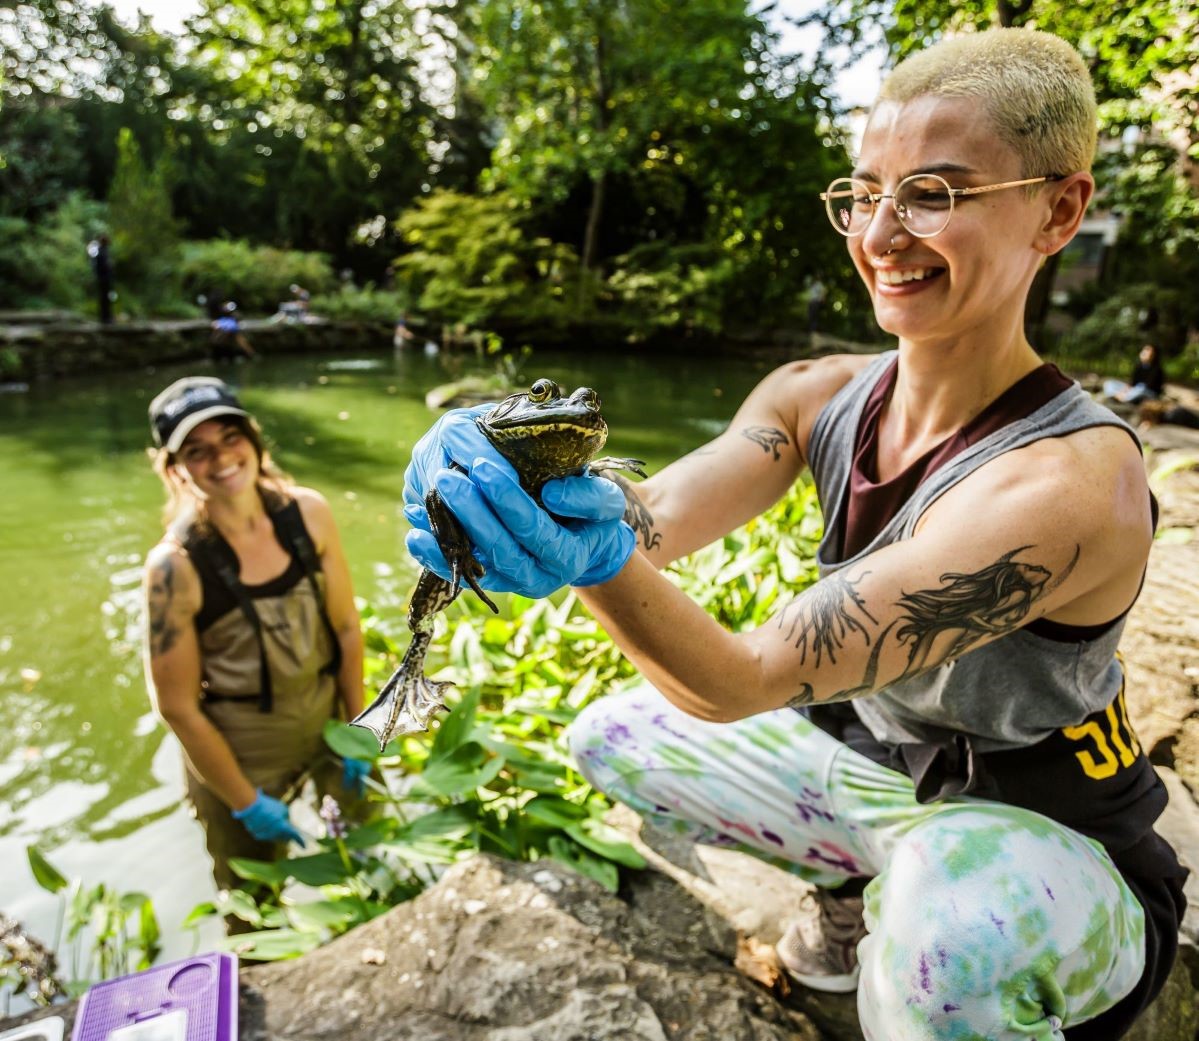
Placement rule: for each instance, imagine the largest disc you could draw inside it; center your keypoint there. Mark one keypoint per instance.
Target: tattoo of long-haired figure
(636, 516)
(940, 624)
(825, 616)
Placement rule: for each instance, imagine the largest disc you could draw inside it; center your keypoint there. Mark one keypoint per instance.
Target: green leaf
(574, 856)
(451, 821)
(199, 913)
(271, 944)
(270, 872)
(320, 915)
(468, 767)
(44, 873)
(605, 840)
(320, 869)
(351, 742)
(456, 728)
(557, 812)
(240, 904)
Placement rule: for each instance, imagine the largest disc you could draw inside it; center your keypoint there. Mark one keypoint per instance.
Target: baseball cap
(187, 403)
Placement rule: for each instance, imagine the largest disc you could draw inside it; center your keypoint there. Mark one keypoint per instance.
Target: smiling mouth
(896, 277)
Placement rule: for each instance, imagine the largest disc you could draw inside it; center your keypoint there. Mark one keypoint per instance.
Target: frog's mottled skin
(543, 435)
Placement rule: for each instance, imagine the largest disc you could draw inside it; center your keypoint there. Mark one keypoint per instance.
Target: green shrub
(471, 262)
(257, 277)
(367, 304)
(1123, 322)
(46, 264)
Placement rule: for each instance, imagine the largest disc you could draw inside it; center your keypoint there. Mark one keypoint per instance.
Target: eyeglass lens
(923, 205)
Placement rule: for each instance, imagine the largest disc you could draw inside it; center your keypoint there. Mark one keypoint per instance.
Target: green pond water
(86, 771)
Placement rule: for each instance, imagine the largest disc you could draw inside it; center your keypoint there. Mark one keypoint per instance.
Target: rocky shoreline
(45, 346)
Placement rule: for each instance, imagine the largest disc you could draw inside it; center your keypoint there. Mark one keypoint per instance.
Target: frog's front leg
(454, 544)
(599, 466)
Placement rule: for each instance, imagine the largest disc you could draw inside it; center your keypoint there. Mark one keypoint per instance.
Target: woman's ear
(1067, 202)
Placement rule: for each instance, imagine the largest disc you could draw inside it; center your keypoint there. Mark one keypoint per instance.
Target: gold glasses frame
(853, 184)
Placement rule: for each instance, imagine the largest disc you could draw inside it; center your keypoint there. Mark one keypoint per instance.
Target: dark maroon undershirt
(872, 503)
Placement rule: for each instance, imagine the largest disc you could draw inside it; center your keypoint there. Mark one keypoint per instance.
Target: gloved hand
(354, 773)
(267, 820)
(522, 547)
(456, 437)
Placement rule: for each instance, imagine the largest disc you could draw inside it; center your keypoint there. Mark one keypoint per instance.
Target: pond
(86, 771)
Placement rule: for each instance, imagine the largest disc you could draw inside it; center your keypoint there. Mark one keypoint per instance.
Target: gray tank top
(1015, 691)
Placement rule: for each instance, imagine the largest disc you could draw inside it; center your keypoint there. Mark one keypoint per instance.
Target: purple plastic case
(146, 1006)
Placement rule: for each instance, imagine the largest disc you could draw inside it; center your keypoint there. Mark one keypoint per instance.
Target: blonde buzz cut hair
(1033, 85)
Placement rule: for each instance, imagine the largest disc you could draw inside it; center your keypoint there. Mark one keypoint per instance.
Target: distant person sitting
(228, 342)
(295, 309)
(1147, 383)
(97, 251)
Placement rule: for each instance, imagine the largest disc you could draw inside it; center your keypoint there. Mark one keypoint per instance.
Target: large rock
(499, 951)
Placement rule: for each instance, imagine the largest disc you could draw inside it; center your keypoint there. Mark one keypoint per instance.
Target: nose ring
(891, 244)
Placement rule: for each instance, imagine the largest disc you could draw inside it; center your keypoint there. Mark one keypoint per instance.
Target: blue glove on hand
(453, 438)
(456, 437)
(522, 547)
(267, 820)
(354, 773)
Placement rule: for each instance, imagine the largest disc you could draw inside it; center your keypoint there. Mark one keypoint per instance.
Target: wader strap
(290, 530)
(228, 575)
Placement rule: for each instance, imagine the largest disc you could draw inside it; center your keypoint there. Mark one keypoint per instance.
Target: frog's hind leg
(407, 700)
(454, 544)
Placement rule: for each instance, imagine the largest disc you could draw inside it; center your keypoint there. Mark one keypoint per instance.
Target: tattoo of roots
(934, 626)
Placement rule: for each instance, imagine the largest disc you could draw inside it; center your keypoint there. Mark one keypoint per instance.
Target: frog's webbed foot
(454, 544)
(407, 700)
(598, 466)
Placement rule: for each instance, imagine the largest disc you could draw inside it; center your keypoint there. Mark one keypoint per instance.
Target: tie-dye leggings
(985, 920)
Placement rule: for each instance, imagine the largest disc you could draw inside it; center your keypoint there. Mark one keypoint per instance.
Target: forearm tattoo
(159, 594)
(825, 617)
(934, 625)
(768, 437)
(636, 515)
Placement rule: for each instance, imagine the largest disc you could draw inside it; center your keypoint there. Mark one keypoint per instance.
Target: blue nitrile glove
(354, 773)
(267, 820)
(454, 437)
(521, 546)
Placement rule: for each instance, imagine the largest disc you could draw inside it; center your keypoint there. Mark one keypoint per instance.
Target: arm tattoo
(825, 615)
(968, 607)
(159, 594)
(768, 437)
(636, 516)
(935, 625)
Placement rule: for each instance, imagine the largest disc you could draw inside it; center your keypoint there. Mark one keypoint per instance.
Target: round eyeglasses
(923, 202)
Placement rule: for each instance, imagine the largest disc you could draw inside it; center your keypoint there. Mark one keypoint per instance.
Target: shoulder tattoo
(160, 594)
(768, 437)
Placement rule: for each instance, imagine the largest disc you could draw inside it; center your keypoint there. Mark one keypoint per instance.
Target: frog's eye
(540, 391)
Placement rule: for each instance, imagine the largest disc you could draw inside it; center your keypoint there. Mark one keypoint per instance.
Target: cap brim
(189, 423)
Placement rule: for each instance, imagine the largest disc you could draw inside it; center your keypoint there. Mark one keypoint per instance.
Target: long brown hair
(274, 485)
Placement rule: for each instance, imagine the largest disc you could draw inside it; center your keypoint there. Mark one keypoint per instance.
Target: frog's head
(545, 434)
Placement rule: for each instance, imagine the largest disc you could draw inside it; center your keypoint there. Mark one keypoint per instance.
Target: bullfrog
(544, 435)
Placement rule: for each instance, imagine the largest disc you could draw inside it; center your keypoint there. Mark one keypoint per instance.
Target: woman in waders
(253, 639)
(933, 733)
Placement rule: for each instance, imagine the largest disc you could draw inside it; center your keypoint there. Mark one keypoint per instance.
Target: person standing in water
(253, 640)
